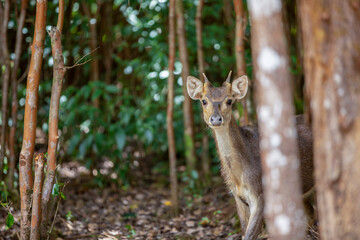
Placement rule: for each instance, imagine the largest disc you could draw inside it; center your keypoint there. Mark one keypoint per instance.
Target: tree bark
(36, 197)
(108, 43)
(28, 146)
(170, 109)
(240, 49)
(5, 60)
(187, 105)
(281, 175)
(93, 40)
(58, 76)
(200, 55)
(332, 76)
(228, 17)
(14, 100)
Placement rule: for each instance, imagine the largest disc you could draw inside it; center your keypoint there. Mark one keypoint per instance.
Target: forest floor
(90, 212)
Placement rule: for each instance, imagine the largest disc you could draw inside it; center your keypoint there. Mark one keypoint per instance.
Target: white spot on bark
(26, 153)
(289, 132)
(275, 159)
(31, 99)
(269, 60)
(264, 80)
(264, 8)
(27, 144)
(275, 140)
(327, 103)
(264, 113)
(282, 223)
(337, 78)
(53, 145)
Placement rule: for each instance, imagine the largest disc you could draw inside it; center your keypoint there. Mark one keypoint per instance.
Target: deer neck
(229, 141)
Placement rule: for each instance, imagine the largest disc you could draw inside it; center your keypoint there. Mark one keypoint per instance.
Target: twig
(79, 64)
(23, 76)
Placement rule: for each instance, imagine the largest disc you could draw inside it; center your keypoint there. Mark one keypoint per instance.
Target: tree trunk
(58, 76)
(5, 60)
(170, 109)
(332, 63)
(28, 146)
(36, 197)
(228, 17)
(108, 47)
(94, 71)
(200, 55)
(280, 164)
(240, 49)
(187, 105)
(14, 100)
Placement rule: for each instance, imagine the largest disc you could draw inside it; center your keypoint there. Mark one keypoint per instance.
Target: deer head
(217, 101)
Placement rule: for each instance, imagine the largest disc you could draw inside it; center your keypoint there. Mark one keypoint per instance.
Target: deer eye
(229, 102)
(204, 102)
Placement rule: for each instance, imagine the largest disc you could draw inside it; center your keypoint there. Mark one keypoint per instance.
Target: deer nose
(216, 120)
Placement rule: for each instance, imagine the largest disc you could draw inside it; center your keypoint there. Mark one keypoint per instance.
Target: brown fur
(239, 152)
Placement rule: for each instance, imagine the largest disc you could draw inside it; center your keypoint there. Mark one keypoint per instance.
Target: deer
(239, 151)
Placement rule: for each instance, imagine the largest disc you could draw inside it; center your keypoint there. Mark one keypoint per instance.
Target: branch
(79, 64)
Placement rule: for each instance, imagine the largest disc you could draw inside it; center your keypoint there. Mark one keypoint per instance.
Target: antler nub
(206, 79)
(228, 78)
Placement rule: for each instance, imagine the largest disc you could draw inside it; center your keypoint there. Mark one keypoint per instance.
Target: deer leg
(309, 198)
(256, 217)
(243, 213)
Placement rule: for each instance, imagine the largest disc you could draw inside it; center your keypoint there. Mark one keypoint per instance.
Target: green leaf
(111, 89)
(194, 174)
(9, 221)
(120, 138)
(62, 195)
(56, 189)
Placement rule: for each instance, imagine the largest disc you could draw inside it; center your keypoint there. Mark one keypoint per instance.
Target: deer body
(239, 150)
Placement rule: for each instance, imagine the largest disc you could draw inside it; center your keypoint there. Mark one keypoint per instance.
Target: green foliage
(9, 221)
(132, 232)
(4, 192)
(70, 216)
(130, 119)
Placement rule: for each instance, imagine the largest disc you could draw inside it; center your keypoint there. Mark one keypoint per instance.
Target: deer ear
(195, 87)
(239, 87)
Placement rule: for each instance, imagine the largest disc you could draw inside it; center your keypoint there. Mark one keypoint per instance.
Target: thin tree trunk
(14, 100)
(200, 55)
(93, 40)
(58, 76)
(332, 63)
(36, 197)
(187, 105)
(170, 109)
(228, 9)
(108, 48)
(5, 60)
(240, 49)
(28, 146)
(283, 201)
